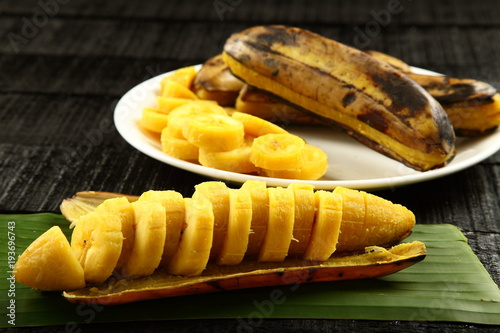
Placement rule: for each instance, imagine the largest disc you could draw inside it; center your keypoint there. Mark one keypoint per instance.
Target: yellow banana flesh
(193, 252)
(96, 243)
(149, 240)
(277, 151)
(279, 229)
(235, 242)
(326, 230)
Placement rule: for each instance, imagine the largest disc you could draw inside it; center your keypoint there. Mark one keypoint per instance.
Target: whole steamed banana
(371, 100)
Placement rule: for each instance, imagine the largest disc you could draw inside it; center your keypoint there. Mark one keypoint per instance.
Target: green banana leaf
(450, 284)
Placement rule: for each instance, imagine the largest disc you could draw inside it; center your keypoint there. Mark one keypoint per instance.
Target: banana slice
(122, 208)
(218, 194)
(195, 244)
(174, 89)
(48, 264)
(235, 243)
(256, 126)
(178, 147)
(278, 152)
(325, 232)
(167, 104)
(314, 166)
(305, 209)
(97, 243)
(173, 203)
(149, 239)
(353, 219)
(182, 115)
(260, 214)
(280, 225)
(214, 132)
(153, 120)
(236, 160)
(184, 76)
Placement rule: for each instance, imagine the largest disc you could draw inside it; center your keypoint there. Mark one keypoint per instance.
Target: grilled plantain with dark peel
(215, 82)
(371, 100)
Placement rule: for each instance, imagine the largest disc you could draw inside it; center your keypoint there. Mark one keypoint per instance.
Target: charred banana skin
(473, 106)
(371, 100)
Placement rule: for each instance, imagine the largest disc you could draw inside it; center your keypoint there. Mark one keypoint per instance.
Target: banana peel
(372, 101)
(375, 262)
(473, 106)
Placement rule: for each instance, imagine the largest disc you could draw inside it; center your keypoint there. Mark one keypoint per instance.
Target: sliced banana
(122, 208)
(260, 214)
(235, 243)
(173, 203)
(353, 218)
(97, 243)
(314, 166)
(280, 225)
(214, 132)
(178, 147)
(305, 210)
(325, 232)
(278, 152)
(171, 88)
(149, 240)
(153, 120)
(218, 194)
(195, 244)
(256, 126)
(236, 160)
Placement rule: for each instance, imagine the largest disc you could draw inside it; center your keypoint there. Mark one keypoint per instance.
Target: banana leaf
(450, 284)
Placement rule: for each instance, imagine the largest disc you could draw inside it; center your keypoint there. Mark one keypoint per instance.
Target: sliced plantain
(278, 151)
(256, 126)
(326, 230)
(279, 231)
(214, 132)
(235, 242)
(122, 208)
(193, 252)
(49, 264)
(314, 166)
(218, 194)
(96, 243)
(173, 204)
(178, 147)
(153, 120)
(236, 160)
(305, 210)
(260, 215)
(149, 241)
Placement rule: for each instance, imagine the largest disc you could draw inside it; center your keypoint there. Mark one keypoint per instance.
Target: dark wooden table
(64, 64)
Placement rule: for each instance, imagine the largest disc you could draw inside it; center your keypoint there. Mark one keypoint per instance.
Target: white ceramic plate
(351, 164)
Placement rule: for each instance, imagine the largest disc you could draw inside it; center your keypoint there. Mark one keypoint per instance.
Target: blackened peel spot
(375, 120)
(348, 99)
(402, 92)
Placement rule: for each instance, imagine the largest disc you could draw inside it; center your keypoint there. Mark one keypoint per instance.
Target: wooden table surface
(64, 64)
